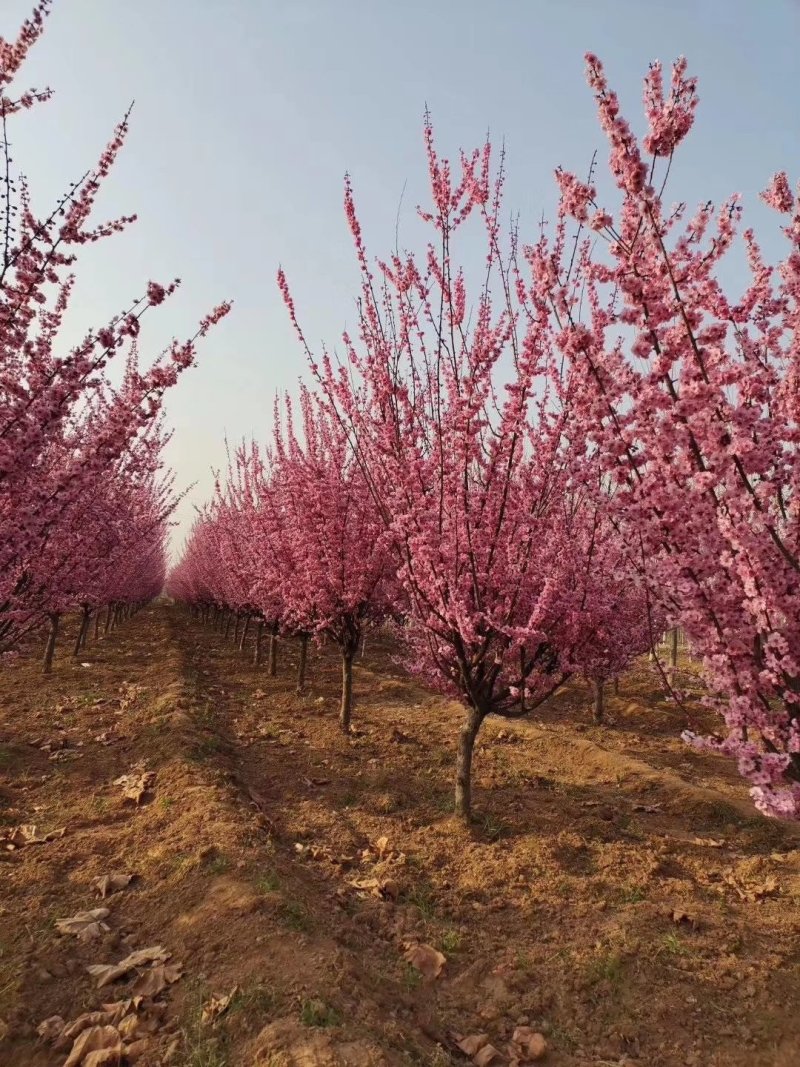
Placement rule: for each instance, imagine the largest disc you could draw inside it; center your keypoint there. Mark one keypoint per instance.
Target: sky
(248, 113)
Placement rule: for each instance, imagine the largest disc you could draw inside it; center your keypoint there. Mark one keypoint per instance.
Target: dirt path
(617, 894)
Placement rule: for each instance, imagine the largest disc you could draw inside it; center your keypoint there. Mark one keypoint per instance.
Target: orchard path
(617, 891)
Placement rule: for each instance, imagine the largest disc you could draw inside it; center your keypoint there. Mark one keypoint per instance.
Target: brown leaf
(473, 1043)
(51, 1028)
(128, 1026)
(368, 885)
(382, 846)
(427, 960)
(28, 834)
(137, 1049)
(83, 1022)
(95, 1039)
(218, 1005)
(108, 1057)
(384, 888)
(487, 1056)
(106, 884)
(767, 888)
(106, 973)
(85, 925)
(650, 809)
(136, 785)
(530, 1043)
(157, 978)
(709, 842)
(118, 1009)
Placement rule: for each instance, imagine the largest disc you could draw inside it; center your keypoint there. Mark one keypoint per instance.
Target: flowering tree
(63, 428)
(334, 567)
(294, 534)
(701, 427)
(480, 484)
(624, 619)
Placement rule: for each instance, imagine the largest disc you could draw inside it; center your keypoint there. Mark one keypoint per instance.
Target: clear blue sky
(248, 113)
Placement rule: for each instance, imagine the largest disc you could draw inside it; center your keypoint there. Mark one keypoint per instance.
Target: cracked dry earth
(238, 883)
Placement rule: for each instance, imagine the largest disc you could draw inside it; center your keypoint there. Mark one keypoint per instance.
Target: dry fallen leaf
(767, 888)
(709, 842)
(135, 786)
(650, 809)
(51, 1028)
(157, 978)
(218, 1005)
(488, 1056)
(384, 888)
(427, 960)
(95, 1039)
(473, 1043)
(85, 925)
(136, 1049)
(106, 884)
(529, 1043)
(27, 834)
(128, 1026)
(382, 846)
(106, 973)
(108, 1057)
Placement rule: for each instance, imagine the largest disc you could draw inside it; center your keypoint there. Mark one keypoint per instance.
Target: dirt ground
(617, 894)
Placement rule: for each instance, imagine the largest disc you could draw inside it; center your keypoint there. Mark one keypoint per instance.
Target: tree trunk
(673, 652)
(84, 626)
(273, 649)
(236, 630)
(245, 629)
(301, 669)
(108, 619)
(96, 622)
(599, 702)
(346, 710)
(47, 663)
(522, 680)
(259, 637)
(466, 744)
(228, 624)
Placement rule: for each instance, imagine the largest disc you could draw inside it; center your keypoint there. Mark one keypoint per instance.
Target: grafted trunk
(50, 647)
(259, 638)
(346, 710)
(273, 649)
(301, 668)
(245, 630)
(466, 746)
(599, 700)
